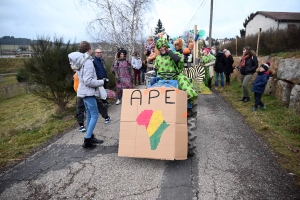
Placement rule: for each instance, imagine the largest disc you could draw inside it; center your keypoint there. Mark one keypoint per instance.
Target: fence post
(195, 49)
(236, 38)
(258, 41)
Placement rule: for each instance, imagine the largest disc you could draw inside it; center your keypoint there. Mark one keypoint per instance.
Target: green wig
(162, 42)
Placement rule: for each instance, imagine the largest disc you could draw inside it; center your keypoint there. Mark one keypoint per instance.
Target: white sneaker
(118, 102)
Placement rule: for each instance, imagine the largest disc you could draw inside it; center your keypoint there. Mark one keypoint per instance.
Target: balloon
(201, 33)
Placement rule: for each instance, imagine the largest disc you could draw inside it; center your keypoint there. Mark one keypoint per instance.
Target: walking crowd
(166, 59)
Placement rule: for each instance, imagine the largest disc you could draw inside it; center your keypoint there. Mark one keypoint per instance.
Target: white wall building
(276, 20)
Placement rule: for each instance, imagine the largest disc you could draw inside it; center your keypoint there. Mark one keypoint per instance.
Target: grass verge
(278, 125)
(26, 122)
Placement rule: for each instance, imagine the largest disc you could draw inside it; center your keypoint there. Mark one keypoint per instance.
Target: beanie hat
(84, 46)
(266, 66)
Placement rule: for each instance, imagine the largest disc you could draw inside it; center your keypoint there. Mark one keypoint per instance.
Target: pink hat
(207, 50)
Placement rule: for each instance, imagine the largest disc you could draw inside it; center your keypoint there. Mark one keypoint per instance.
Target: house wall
(265, 23)
(260, 21)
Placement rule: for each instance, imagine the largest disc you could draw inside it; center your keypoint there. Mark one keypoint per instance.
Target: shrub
(49, 71)
(271, 41)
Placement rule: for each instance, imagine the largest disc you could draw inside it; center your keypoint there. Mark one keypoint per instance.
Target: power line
(201, 5)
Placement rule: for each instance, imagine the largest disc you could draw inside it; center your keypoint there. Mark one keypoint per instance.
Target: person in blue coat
(259, 86)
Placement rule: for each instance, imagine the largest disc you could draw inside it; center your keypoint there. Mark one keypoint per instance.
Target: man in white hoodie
(136, 63)
(88, 89)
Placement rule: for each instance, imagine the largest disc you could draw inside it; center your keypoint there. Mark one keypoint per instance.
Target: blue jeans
(91, 108)
(217, 79)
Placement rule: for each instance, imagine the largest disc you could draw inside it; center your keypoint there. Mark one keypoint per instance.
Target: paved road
(232, 162)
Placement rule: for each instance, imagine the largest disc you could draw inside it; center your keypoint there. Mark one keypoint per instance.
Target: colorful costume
(165, 64)
(209, 71)
(122, 71)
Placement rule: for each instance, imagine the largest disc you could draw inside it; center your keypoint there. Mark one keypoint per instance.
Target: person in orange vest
(80, 109)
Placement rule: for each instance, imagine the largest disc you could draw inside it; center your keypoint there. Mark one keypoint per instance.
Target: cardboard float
(154, 124)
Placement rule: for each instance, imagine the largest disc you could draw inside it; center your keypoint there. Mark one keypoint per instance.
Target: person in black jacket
(220, 67)
(248, 66)
(100, 68)
(228, 66)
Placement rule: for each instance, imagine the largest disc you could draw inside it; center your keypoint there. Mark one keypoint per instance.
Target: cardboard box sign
(154, 124)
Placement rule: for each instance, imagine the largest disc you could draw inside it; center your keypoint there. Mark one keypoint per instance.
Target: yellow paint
(155, 121)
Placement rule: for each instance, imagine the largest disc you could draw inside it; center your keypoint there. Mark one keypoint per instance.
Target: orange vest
(76, 82)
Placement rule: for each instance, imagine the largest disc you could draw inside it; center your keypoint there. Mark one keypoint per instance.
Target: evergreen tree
(159, 27)
(243, 33)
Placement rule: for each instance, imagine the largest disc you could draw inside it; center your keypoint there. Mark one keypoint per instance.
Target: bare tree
(118, 22)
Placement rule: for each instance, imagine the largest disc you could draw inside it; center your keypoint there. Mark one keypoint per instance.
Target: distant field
(11, 65)
(7, 47)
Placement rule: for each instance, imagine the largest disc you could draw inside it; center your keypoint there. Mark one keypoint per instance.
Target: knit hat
(266, 66)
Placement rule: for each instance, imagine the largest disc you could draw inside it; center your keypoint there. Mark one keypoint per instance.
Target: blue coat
(260, 82)
(100, 68)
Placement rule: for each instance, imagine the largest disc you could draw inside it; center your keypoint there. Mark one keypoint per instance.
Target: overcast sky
(32, 18)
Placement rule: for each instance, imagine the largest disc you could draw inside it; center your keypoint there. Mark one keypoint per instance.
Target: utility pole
(210, 21)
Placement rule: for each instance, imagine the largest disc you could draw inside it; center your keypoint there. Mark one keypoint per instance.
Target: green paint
(155, 138)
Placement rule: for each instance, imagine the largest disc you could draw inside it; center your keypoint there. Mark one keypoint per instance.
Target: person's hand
(105, 80)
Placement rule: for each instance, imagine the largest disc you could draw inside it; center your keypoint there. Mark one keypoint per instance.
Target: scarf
(243, 61)
(150, 47)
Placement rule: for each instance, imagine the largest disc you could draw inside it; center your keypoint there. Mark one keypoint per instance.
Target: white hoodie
(88, 83)
(136, 63)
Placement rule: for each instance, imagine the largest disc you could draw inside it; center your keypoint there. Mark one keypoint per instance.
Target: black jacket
(228, 66)
(250, 67)
(220, 62)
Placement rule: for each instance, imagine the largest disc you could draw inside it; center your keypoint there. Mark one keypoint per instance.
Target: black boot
(242, 99)
(246, 99)
(95, 140)
(88, 143)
